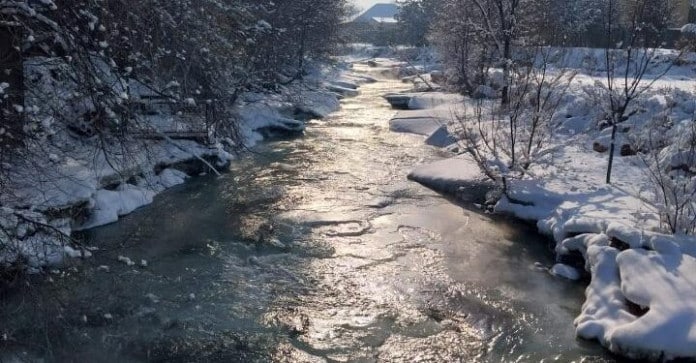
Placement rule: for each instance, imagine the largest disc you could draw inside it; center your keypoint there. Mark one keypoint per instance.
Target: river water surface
(315, 249)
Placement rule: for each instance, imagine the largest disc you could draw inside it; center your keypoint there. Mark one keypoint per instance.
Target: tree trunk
(506, 72)
(612, 147)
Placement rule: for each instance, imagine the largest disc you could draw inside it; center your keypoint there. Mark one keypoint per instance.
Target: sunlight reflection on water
(289, 258)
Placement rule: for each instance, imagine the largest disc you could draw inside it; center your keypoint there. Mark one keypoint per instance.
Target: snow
(664, 284)
(126, 260)
(109, 205)
(689, 28)
(425, 122)
(641, 301)
(605, 305)
(75, 178)
(581, 243)
(437, 103)
(321, 104)
(381, 20)
(380, 202)
(268, 113)
(318, 97)
(441, 138)
(431, 100)
(76, 253)
(104, 181)
(171, 177)
(447, 175)
(41, 249)
(565, 271)
(419, 126)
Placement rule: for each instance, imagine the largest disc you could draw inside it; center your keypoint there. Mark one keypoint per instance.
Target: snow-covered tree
(84, 75)
(293, 31)
(416, 17)
(567, 22)
(102, 53)
(474, 35)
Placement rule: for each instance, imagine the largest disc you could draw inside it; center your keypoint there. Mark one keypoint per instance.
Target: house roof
(380, 13)
(385, 20)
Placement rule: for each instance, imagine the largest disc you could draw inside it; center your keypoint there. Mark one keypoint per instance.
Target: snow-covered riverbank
(78, 185)
(641, 301)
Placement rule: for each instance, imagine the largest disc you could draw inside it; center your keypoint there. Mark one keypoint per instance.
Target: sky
(365, 4)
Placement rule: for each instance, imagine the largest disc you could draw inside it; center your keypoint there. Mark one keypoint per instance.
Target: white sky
(365, 4)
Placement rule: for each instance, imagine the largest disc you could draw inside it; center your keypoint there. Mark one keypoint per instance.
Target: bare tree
(500, 22)
(466, 56)
(506, 141)
(671, 167)
(628, 66)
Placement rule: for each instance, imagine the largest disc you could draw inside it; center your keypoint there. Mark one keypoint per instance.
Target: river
(310, 249)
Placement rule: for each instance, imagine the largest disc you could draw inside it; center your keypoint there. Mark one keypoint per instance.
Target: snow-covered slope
(641, 300)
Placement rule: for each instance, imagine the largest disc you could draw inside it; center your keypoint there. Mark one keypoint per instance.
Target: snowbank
(262, 118)
(641, 301)
(427, 114)
(109, 205)
(448, 175)
(84, 185)
(284, 113)
(419, 126)
(565, 271)
(661, 286)
(441, 138)
(321, 104)
(424, 101)
(88, 192)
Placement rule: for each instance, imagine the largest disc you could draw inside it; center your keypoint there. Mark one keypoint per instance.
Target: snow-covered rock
(605, 305)
(441, 138)
(110, 204)
(689, 29)
(322, 104)
(448, 175)
(428, 100)
(663, 285)
(420, 126)
(398, 101)
(565, 271)
(171, 177)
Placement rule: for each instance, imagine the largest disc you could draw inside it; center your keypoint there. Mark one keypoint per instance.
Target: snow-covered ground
(641, 301)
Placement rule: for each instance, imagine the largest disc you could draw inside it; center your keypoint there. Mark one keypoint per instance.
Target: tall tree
(416, 17)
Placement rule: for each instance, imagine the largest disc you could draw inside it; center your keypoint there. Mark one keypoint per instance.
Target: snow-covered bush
(29, 238)
(671, 166)
(506, 140)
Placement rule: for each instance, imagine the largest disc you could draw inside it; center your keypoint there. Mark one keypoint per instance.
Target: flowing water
(315, 249)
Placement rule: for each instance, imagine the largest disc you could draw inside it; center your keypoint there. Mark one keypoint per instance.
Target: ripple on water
(310, 250)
